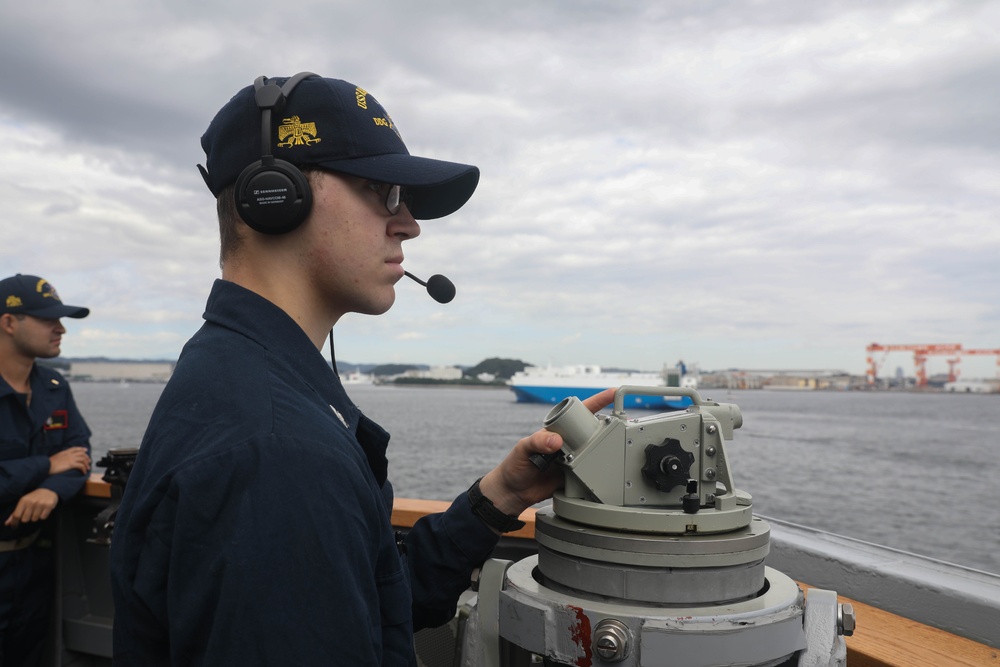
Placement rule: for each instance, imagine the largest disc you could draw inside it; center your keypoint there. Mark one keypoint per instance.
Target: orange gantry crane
(920, 353)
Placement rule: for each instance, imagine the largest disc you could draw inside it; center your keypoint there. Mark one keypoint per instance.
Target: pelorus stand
(650, 556)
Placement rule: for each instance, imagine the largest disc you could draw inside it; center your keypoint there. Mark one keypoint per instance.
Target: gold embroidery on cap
(361, 95)
(14, 301)
(46, 290)
(293, 132)
(386, 121)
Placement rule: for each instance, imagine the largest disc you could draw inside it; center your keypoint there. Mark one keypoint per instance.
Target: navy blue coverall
(255, 526)
(29, 435)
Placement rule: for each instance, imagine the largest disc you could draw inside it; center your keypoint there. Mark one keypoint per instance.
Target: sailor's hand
(36, 505)
(517, 483)
(74, 458)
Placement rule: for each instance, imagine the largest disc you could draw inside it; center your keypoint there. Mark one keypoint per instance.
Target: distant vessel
(357, 377)
(554, 384)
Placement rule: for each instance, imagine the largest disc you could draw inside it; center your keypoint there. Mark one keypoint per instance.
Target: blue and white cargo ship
(553, 384)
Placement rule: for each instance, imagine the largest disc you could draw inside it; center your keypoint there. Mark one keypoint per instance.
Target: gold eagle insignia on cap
(293, 132)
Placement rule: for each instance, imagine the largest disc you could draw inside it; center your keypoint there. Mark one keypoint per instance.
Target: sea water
(912, 471)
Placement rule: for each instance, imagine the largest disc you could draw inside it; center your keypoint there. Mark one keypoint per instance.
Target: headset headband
(270, 96)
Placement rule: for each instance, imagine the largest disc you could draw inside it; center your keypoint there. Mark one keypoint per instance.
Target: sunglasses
(395, 195)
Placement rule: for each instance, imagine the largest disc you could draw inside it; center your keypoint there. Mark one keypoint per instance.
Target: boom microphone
(440, 288)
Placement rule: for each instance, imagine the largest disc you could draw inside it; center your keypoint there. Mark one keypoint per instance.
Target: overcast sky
(759, 184)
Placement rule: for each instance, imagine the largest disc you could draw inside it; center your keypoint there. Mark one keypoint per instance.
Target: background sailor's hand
(36, 505)
(517, 483)
(74, 458)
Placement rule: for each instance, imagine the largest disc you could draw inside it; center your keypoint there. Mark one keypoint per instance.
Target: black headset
(273, 196)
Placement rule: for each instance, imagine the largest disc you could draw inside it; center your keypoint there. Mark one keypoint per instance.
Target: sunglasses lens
(393, 199)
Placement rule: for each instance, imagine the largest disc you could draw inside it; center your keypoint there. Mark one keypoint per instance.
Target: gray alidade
(650, 556)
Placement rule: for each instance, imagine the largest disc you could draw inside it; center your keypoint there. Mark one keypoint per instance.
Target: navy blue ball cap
(31, 295)
(334, 125)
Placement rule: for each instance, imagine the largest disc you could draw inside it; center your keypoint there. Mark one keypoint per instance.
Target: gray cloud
(732, 183)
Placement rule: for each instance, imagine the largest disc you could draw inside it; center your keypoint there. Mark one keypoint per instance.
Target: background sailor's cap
(31, 295)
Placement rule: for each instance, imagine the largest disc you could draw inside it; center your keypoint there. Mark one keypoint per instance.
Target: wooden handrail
(96, 487)
(406, 512)
(882, 639)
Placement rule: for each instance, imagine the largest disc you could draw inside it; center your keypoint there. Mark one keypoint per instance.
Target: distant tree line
(501, 369)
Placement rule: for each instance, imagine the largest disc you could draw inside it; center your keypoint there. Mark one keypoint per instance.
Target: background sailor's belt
(18, 543)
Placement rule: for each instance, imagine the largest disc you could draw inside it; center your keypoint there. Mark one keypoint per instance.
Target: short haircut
(230, 238)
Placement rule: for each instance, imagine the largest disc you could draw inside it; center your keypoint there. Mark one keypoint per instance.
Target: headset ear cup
(273, 198)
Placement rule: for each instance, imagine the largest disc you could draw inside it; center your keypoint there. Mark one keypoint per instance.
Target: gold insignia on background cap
(297, 133)
(14, 301)
(46, 289)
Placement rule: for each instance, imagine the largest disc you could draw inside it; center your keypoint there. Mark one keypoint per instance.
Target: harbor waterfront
(913, 471)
